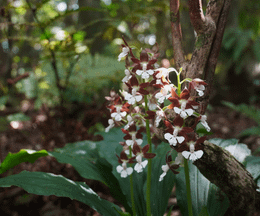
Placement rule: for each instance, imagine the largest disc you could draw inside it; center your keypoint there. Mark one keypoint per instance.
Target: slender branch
(53, 56)
(222, 169)
(206, 28)
(214, 53)
(9, 59)
(196, 16)
(214, 8)
(70, 70)
(176, 33)
(18, 78)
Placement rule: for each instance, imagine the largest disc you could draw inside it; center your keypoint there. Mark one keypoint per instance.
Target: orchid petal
(168, 136)
(139, 141)
(162, 176)
(138, 168)
(123, 114)
(180, 139)
(183, 114)
(139, 72)
(186, 154)
(129, 170)
(144, 163)
(145, 75)
(124, 174)
(193, 157)
(198, 154)
(177, 110)
(129, 142)
(138, 98)
(150, 72)
(189, 111)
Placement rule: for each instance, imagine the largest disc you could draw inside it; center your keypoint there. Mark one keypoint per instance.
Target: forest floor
(45, 132)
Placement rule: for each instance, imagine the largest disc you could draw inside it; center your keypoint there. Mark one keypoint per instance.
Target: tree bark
(223, 170)
(176, 34)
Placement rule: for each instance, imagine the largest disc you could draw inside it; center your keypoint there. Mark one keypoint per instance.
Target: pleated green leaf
(253, 166)
(82, 156)
(204, 194)
(161, 191)
(46, 184)
(239, 150)
(24, 155)
(85, 158)
(108, 148)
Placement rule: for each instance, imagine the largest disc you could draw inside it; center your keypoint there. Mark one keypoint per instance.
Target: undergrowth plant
(150, 109)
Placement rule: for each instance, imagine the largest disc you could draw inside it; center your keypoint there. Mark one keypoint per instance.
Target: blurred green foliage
(70, 47)
(238, 71)
(251, 112)
(86, 83)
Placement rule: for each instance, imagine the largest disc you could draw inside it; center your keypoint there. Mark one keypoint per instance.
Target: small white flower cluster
(150, 87)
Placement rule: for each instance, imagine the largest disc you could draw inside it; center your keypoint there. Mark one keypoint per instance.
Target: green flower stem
(187, 178)
(179, 83)
(132, 187)
(149, 172)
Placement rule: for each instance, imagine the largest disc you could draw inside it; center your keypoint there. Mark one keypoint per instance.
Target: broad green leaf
(223, 143)
(161, 191)
(49, 184)
(218, 202)
(253, 166)
(204, 212)
(24, 155)
(204, 194)
(109, 146)
(139, 192)
(238, 150)
(84, 157)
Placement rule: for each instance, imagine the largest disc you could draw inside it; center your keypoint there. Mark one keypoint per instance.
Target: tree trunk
(222, 169)
(217, 165)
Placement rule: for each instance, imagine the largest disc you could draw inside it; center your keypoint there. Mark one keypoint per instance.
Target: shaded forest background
(58, 60)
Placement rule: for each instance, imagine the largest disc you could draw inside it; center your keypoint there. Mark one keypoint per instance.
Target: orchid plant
(151, 103)
(160, 136)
